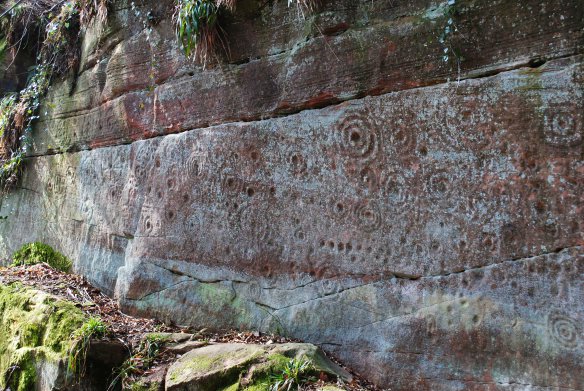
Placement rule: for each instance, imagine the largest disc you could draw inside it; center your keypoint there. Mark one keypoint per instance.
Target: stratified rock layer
(430, 237)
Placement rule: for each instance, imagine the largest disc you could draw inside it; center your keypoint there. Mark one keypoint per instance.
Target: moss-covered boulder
(37, 252)
(248, 367)
(35, 336)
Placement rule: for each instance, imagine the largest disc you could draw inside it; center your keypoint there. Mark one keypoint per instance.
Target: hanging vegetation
(196, 26)
(197, 29)
(58, 22)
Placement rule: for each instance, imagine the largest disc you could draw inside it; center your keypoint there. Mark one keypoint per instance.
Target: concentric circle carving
(395, 186)
(297, 162)
(563, 329)
(368, 216)
(437, 184)
(338, 209)
(563, 125)
(300, 235)
(368, 178)
(192, 165)
(192, 224)
(401, 135)
(357, 136)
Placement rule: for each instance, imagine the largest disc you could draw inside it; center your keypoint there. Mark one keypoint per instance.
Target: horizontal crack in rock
(305, 106)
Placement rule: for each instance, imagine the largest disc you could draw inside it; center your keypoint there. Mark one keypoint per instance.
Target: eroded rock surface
(430, 237)
(250, 367)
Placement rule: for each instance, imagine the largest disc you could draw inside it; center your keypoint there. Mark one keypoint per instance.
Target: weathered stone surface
(153, 381)
(430, 237)
(314, 224)
(169, 338)
(211, 368)
(247, 367)
(183, 347)
(178, 343)
(135, 84)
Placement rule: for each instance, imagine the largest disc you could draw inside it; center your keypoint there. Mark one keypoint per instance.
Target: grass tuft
(295, 373)
(197, 28)
(92, 329)
(140, 361)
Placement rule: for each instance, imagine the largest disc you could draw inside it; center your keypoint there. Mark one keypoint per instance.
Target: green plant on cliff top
(37, 252)
(16, 117)
(197, 29)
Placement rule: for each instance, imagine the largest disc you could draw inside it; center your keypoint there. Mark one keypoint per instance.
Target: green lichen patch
(37, 252)
(231, 367)
(21, 374)
(213, 367)
(35, 330)
(167, 338)
(145, 386)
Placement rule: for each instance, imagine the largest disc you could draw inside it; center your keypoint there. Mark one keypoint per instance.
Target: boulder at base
(37, 331)
(35, 335)
(245, 367)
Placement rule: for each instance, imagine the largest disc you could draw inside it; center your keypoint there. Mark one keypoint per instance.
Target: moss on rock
(145, 386)
(231, 367)
(37, 252)
(35, 332)
(217, 366)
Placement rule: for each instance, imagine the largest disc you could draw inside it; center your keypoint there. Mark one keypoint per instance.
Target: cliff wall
(338, 177)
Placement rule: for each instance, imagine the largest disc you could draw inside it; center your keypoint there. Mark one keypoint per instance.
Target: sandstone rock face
(234, 366)
(329, 182)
